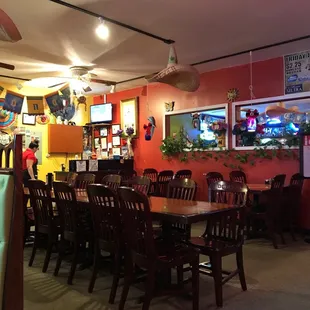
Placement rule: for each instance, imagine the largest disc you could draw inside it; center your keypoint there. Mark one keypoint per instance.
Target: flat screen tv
(101, 113)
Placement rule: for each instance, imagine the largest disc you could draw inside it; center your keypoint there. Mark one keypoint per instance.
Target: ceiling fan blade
(6, 66)
(58, 84)
(14, 78)
(87, 89)
(108, 83)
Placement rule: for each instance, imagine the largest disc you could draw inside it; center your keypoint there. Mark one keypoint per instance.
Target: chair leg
(195, 284)
(129, 269)
(47, 255)
(149, 288)
(239, 257)
(292, 231)
(180, 276)
(73, 263)
(34, 249)
(271, 232)
(216, 265)
(116, 276)
(95, 270)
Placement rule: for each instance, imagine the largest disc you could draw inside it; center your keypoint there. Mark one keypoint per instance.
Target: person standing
(30, 163)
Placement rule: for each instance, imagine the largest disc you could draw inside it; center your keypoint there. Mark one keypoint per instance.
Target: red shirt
(28, 154)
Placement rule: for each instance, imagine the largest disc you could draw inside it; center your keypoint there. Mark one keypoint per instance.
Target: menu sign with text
(297, 72)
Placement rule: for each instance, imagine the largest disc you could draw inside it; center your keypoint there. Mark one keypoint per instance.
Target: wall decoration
(104, 154)
(104, 143)
(116, 151)
(115, 129)
(81, 100)
(66, 113)
(42, 119)
(1, 90)
(97, 143)
(233, 94)
(195, 120)
(35, 105)
(104, 132)
(297, 72)
(93, 165)
(80, 165)
(129, 115)
(5, 138)
(7, 118)
(28, 119)
(54, 101)
(116, 141)
(149, 128)
(169, 106)
(13, 102)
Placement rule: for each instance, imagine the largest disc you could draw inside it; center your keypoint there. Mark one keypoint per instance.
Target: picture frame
(129, 114)
(28, 119)
(103, 132)
(115, 128)
(104, 144)
(116, 151)
(116, 141)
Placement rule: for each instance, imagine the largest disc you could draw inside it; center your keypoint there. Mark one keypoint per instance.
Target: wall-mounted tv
(101, 113)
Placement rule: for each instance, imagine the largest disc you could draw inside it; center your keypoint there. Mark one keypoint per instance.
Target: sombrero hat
(280, 109)
(184, 77)
(7, 118)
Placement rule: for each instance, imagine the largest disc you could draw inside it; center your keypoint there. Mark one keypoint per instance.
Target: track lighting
(102, 30)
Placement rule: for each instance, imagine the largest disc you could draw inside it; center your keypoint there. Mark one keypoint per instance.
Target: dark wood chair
(269, 213)
(238, 176)
(163, 178)
(297, 180)
(83, 180)
(152, 175)
(46, 223)
(140, 184)
(224, 235)
(106, 217)
(278, 181)
(71, 178)
(113, 181)
(183, 174)
(212, 177)
(127, 175)
(74, 224)
(184, 189)
(146, 253)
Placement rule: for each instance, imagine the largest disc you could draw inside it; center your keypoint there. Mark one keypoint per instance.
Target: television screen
(101, 113)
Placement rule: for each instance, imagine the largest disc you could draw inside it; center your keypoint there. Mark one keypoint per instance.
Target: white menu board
(80, 165)
(93, 165)
(306, 156)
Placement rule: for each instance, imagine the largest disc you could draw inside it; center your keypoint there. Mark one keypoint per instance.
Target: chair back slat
(151, 174)
(212, 177)
(105, 212)
(278, 181)
(238, 176)
(183, 174)
(163, 178)
(140, 183)
(84, 179)
(184, 189)
(113, 181)
(138, 228)
(297, 180)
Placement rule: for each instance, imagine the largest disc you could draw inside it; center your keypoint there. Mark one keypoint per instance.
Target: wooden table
(258, 188)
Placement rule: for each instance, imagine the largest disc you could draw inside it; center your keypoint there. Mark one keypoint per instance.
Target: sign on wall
(297, 72)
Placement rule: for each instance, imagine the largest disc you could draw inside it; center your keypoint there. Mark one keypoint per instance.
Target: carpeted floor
(277, 280)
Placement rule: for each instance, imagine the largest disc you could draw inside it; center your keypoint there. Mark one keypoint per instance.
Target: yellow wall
(53, 163)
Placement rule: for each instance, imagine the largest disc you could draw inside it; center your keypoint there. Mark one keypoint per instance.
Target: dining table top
(258, 187)
(168, 209)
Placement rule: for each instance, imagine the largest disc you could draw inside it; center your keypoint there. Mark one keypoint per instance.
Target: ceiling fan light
(113, 87)
(102, 30)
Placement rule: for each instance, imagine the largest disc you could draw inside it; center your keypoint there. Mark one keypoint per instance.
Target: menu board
(305, 156)
(297, 72)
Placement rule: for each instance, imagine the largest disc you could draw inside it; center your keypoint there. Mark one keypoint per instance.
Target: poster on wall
(297, 72)
(305, 156)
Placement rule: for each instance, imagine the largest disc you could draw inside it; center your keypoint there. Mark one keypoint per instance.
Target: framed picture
(104, 154)
(129, 114)
(104, 143)
(116, 141)
(115, 129)
(104, 132)
(116, 151)
(29, 119)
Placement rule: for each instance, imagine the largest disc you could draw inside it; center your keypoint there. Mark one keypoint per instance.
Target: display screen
(100, 113)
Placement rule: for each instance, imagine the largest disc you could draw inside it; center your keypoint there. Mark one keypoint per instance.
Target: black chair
(278, 181)
(183, 174)
(163, 178)
(212, 177)
(152, 174)
(238, 176)
(113, 181)
(83, 180)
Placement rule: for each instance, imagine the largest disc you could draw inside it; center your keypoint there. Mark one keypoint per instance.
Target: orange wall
(267, 82)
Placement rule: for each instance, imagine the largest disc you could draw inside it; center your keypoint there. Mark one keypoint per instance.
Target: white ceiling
(56, 37)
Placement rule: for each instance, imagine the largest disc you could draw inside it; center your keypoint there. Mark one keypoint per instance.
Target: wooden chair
(127, 175)
(152, 175)
(184, 189)
(183, 174)
(46, 224)
(224, 235)
(278, 181)
(83, 180)
(106, 217)
(238, 176)
(146, 252)
(140, 184)
(212, 177)
(113, 181)
(71, 178)
(74, 225)
(269, 212)
(297, 180)
(163, 178)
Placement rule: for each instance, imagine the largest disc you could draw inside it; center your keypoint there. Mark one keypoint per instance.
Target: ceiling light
(102, 30)
(112, 91)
